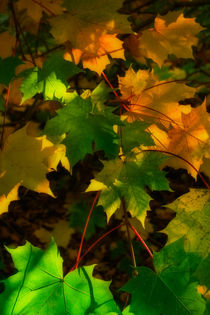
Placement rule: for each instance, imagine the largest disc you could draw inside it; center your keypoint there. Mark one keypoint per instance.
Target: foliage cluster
(128, 82)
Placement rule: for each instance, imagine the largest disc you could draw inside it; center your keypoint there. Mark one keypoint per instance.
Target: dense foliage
(127, 84)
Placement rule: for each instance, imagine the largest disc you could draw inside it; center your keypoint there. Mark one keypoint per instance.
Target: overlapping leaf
(189, 139)
(151, 99)
(98, 24)
(128, 179)
(169, 37)
(40, 288)
(85, 130)
(192, 220)
(51, 80)
(25, 161)
(168, 291)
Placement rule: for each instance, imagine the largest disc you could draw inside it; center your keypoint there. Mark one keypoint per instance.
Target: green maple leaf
(170, 290)
(51, 80)
(134, 134)
(7, 69)
(30, 85)
(192, 220)
(84, 129)
(40, 288)
(128, 179)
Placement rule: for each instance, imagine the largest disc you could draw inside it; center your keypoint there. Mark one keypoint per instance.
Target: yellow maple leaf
(169, 37)
(150, 98)
(25, 161)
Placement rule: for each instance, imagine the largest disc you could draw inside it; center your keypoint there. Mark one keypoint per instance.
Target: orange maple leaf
(95, 56)
(90, 32)
(189, 141)
(152, 99)
(176, 38)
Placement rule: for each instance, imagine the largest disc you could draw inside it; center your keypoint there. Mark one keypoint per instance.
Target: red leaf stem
(95, 243)
(85, 228)
(178, 156)
(115, 93)
(141, 240)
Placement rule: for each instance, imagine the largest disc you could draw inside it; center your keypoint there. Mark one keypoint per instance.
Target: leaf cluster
(128, 83)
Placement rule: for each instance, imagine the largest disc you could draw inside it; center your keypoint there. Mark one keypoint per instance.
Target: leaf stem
(115, 93)
(178, 156)
(141, 240)
(96, 243)
(85, 228)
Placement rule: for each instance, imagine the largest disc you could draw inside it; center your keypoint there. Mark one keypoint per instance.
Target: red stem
(141, 240)
(178, 156)
(85, 228)
(96, 242)
(115, 93)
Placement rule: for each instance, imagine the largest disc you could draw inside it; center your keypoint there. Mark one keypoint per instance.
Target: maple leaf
(84, 128)
(40, 280)
(95, 55)
(128, 179)
(19, 167)
(35, 8)
(192, 220)
(134, 135)
(51, 80)
(189, 140)
(170, 288)
(175, 38)
(90, 18)
(153, 99)
(98, 24)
